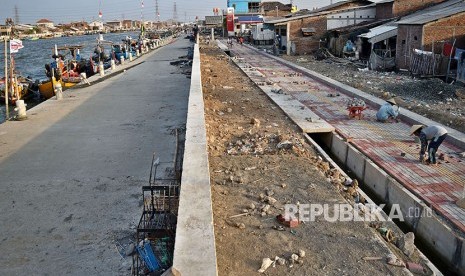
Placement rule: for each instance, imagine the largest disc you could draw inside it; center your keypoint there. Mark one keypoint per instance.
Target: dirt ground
(432, 97)
(256, 152)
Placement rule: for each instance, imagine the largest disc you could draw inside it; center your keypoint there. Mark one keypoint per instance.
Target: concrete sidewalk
(439, 187)
(71, 174)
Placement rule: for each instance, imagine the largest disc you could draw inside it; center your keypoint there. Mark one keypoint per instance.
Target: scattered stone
(285, 145)
(266, 208)
(294, 258)
(301, 253)
(280, 261)
(228, 87)
(266, 263)
(283, 185)
(406, 244)
(252, 206)
(240, 225)
(270, 200)
(229, 110)
(269, 192)
(260, 226)
(255, 122)
(393, 260)
(415, 268)
(130, 250)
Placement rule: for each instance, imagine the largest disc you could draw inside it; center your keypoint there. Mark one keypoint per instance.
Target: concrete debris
(406, 244)
(266, 208)
(285, 145)
(269, 192)
(294, 258)
(130, 250)
(280, 261)
(270, 200)
(393, 260)
(240, 225)
(266, 263)
(415, 268)
(228, 87)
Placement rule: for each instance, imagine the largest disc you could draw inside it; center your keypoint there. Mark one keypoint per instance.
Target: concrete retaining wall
(427, 226)
(194, 251)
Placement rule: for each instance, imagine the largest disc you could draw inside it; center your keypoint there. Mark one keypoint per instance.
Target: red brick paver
(439, 187)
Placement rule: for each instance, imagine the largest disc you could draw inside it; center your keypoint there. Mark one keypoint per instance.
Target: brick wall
(403, 7)
(384, 10)
(446, 29)
(273, 13)
(408, 38)
(309, 43)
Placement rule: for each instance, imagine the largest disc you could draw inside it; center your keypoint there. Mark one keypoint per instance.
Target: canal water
(30, 61)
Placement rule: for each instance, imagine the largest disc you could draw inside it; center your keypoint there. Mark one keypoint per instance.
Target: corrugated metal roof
(316, 13)
(380, 33)
(434, 13)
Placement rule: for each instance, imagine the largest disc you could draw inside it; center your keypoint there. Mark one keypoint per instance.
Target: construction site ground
(249, 160)
(430, 97)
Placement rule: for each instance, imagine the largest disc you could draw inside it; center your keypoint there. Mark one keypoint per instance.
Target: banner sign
(230, 21)
(15, 45)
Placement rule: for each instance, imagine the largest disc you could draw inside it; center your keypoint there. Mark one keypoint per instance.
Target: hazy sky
(61, 11)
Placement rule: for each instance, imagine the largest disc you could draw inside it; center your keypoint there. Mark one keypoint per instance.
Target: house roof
(380, 33)
(44, 20)
(384, 1)
(434, 13)
(268, 6)
(316, 13)
(341, 3)
(214, 20)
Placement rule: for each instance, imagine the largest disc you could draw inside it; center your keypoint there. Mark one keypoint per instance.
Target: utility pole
(16, 15)
(175, 13)
(157, 11)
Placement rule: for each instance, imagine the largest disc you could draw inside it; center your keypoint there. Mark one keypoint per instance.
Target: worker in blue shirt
(431, 137)
(388, 111)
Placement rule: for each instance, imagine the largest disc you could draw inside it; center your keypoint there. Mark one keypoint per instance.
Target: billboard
(230, 21)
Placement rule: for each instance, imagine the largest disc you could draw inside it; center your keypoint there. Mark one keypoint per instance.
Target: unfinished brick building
(303, 32)
(441, 26)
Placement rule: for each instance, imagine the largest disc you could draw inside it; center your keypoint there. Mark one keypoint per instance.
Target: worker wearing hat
(431, 137)
(388, 111)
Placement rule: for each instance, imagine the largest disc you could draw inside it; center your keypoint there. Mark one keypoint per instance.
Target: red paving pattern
(439, 187)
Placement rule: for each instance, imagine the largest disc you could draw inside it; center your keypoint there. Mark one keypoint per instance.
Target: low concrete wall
(434, 232)
(194, 250)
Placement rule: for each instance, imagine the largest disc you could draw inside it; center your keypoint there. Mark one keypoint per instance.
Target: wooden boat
(62, 72)
(19, 90)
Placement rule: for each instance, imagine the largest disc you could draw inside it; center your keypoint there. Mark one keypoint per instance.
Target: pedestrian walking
(388, 112)
(431, 137)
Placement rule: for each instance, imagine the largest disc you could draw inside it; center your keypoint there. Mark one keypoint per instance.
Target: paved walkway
(383, 143)
(71, 175)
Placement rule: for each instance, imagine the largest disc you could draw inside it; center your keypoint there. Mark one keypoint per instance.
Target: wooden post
(450, 59)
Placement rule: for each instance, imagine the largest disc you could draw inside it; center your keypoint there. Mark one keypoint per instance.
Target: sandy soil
(255, 152)
(432, 98)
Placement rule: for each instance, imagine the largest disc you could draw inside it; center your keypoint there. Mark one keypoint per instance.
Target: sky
(63, 11)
